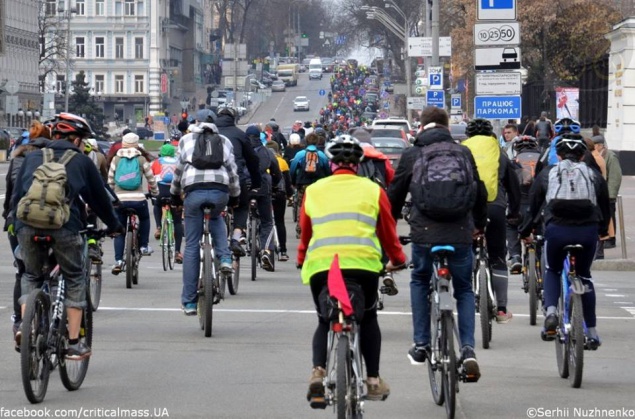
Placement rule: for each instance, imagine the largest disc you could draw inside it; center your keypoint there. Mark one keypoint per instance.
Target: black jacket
(244, 155)
(508, 186)
(267, 165)
(290, 152)
(84, 181)
(423, 229)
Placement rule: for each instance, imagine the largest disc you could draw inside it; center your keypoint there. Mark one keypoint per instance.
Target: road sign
(496, 10)
(435, 78)
(497, 58)
(497, 33)
(415, 103)
(231, 51)
(499, 83)
(436, 98)
(11, 104)
(419, 90)
(322, 92)
(455, 101)
(421, 46)
(497, 107)
(421, 81)
(12, 87)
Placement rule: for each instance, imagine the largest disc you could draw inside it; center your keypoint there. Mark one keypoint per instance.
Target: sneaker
(610, 243)
(418, 354)
(94, 254)
(379, 391)
(157, 233)
(117, 267)
(551, 323)
(17, 335)
(592, 343)
(470, 366)
(284, 257)
(189, 309)
(146, 251)
(226, 266)
(78, 351)
(503, 318)
(265, 260)
(243, 239)
(390, 285)
(237, 249)
(315, 395)
(178, 258)
(515, 265)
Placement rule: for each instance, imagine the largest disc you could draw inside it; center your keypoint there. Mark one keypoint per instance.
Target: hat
(362, 135)
(205, 115)
(294, 139)
(126, 131)
(253, 130)
(167, 150)
(274, 146)
(130, 140)
(598, 139)
(92, 142)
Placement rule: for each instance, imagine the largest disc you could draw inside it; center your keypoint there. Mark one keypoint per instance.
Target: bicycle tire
(136, 258)
(233, 280)
(129, 259)
(576, 341)
(73, 372)
(94, 285)
(562, 344)
(435, 371)
(484, 305)
(171, 245)
(208, 293)
(165, 256)
(532, 282)
(34, 362)
(343, 384)
(295, 209)
(449, 365)
(253, 238)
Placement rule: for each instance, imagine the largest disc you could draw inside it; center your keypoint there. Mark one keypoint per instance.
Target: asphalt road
(148, 355)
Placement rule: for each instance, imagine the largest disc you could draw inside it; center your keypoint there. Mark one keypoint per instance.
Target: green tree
(82, 103)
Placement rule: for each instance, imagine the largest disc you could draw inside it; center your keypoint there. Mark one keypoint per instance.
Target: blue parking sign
(435, 98)
(456, 102)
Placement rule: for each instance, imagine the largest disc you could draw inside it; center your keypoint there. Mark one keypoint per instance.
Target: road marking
(2, 196)
(609, 289)
(623, 302)
(615, 295)
(630, 310)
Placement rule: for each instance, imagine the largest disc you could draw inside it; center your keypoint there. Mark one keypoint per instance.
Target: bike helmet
(274, 126)
(526, 142)
(566, 125)
(320, 132)
(65, 124)
(205, 115)
(228, 110)
(479, 126)
(571, 144)
(344, 149)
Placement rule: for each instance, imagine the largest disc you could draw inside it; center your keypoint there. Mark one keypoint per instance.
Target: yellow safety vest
(486, 152)
(343, 211)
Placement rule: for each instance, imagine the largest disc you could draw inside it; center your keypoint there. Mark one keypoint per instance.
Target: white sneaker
(116, 268)
(146, 251)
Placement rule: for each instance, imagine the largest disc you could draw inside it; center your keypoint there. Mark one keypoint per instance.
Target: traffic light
(305, 35)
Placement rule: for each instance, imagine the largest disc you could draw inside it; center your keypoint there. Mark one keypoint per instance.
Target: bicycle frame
(571, 284)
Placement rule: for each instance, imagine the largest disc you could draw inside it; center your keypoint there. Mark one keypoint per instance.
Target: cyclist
(281, 193)
(427, 231)
(163, 169)
(270, 174)
(294, 147)
(303, 172)
(220, 187)
(85, 186)
(364, 208)
(576, 220)
(247, 164)
(130, 197)
(503, 191)
(276, 135)
(550, 157)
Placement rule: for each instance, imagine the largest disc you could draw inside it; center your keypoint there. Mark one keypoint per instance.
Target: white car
(278, 86)
(301, 103)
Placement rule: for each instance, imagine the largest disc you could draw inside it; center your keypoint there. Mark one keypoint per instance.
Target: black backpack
(374, 170)
(209, 152)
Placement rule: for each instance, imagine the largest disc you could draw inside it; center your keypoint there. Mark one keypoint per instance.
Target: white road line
(615, 295)
(609, 289)
(2, 196)
(623, 302)
(630, 310)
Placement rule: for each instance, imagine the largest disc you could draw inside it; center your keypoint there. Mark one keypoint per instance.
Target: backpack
(311, 162)
(526, 166)
(209, 152)
(369, 169)
(570, 191)
(167, 170)
(443, 186)
(46, 204)
(128, 173)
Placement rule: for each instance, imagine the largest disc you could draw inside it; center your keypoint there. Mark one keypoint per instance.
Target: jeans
(265, 212)
(461, 269)
(68, 249)
(141, 207)
(194, 222)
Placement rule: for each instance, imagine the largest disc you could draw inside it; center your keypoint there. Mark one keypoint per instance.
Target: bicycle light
(443, 272)
(337, 327)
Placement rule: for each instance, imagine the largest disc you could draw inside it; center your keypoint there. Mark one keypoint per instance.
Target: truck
(288, 73)
(315, 69)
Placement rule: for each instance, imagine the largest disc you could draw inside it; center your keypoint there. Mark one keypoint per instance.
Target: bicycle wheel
(435, 370)
(576, 341)
(165, 244)
(343, 388)
(94, 285)
(562, 342)
(449, 365)
(208, 293)
(129, 258)
(253, 238)
(484, 305)
(171, 244)
(532, 283)
(34, 361)
(136, 258)
(232, 281)
(73, 372)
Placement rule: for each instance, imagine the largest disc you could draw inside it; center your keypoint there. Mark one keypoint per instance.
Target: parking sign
(436, 98)
(435, 78)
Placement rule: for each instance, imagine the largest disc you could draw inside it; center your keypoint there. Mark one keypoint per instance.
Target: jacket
(83, 182)
(291, 151)
(424, 230)
(146, 171)
(299, 176)
(268, 165)
(244, 156)
(613, 172)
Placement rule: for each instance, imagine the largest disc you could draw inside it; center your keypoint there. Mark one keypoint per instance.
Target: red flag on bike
(337, 287)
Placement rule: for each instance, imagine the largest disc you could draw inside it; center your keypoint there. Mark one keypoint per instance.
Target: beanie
(253, 130)
(167, 150)
(130, 140)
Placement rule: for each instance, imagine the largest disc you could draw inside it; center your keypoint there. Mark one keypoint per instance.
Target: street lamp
(68, 12)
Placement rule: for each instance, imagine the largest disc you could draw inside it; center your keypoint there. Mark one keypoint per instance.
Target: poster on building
(567, 105)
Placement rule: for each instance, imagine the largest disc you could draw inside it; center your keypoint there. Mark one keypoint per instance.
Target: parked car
(301, 103)
(458, 132)
(388, 131)
(256, 84)
(144, 133)
(278, 86)
(104, 146)
(392, 147)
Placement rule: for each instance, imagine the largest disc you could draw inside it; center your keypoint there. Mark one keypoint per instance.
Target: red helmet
(66, 124)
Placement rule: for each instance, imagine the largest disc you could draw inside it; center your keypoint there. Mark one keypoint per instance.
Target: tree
(53, 43)
(81, 102)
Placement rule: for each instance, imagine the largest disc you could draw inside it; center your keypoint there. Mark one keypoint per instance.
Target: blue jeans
(193, 214)
(461, 269)
(141, 207)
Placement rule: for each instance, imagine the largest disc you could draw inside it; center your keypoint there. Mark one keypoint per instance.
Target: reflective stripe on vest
(351, 216)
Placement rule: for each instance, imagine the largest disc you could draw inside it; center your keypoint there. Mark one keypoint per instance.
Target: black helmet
(227, 110)
(344, 149)
(526, 142)
(205, 115)
(570, 144)
(479, 126)
(565, 125)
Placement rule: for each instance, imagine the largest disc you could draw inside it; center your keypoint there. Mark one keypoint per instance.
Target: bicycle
(253, 236)
(168, 247)
(44, 339)
(483, 293)
(532, 275)
(132, 252)
(211, 282)
(232, 282)
(94, 278)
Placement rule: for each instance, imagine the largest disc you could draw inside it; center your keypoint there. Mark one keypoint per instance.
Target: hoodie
(244, 155)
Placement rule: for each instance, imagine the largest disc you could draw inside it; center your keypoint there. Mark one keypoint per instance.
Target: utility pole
(68, 13)
(435, 32)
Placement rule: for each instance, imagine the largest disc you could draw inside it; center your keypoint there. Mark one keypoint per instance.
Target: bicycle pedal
(548, 336)
(470, 378)
(318, 402)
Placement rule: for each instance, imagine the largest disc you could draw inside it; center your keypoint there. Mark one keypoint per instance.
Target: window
(80, 7)
(118, 47)
(60, 83)
(99, 47)
(79, 47)
(141, 11)
(129, 8)
(138, 48)
(119, 83)
(138, 84)
(50, 7)
(99, 8)
(99, 83)
(118, 8)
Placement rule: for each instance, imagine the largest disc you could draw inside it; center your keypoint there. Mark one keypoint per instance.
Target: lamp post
(391, 4)
(68, 12)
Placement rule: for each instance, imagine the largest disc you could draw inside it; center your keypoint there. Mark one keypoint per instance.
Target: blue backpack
(128, 174)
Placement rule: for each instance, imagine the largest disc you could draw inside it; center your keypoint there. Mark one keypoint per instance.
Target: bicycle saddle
(442, 249)
(208, 205)
(573, 247)
(130, 211)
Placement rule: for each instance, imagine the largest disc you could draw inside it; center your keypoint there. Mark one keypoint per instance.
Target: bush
(5, 143)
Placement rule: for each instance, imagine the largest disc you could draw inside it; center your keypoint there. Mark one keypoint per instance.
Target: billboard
(567, 105)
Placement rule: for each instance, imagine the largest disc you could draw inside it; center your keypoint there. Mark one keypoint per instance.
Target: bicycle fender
(445, 301)
(577, 287)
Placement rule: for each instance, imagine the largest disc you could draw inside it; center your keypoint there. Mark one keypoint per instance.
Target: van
(288, 73)
(315, 69)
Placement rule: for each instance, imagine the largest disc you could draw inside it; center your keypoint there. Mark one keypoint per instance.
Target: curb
(613, 265)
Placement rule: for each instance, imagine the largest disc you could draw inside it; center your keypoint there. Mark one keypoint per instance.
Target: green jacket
(613, 173)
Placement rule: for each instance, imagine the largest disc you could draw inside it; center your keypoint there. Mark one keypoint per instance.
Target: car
(301, 103)
(269, 75)
(396, 121)
(256, 84)
(144, 133)
(388, 131)
(392, 147)
(278, 86)
(458, 132)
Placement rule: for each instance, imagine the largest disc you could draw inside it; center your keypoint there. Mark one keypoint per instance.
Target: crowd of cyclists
(349, 199)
